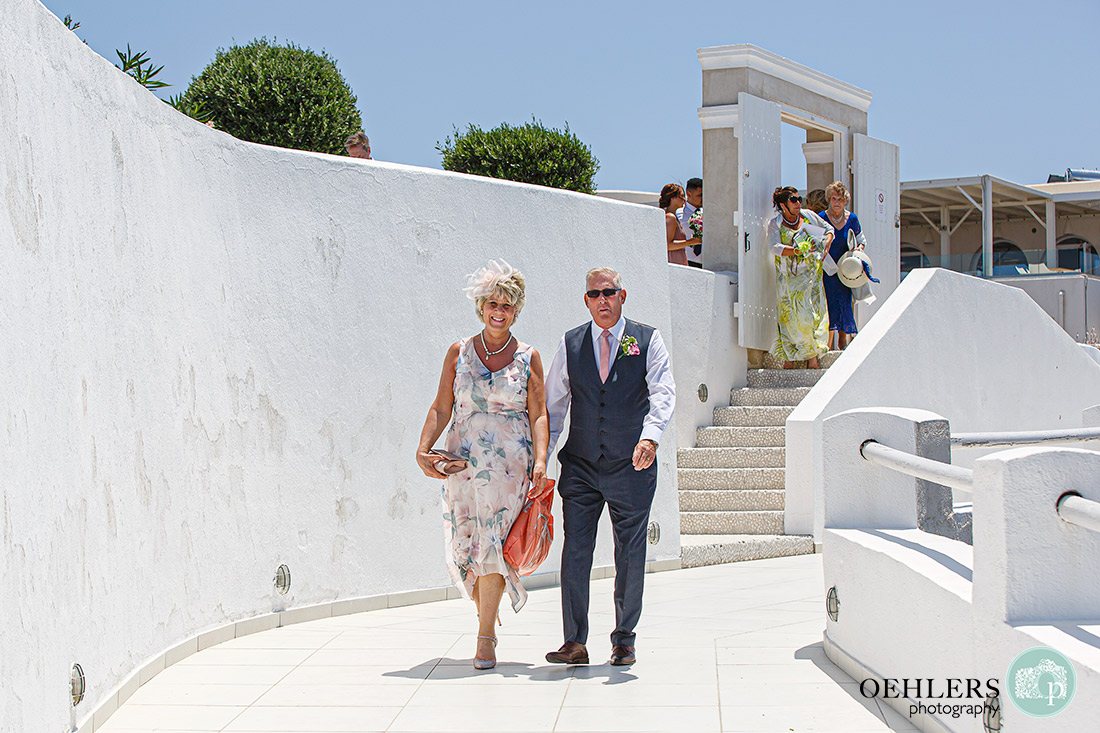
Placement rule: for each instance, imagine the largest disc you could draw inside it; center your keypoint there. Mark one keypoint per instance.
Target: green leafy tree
(529, 153)
(277, 95)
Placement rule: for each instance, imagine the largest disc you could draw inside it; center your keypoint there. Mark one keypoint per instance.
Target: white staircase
(732, 489)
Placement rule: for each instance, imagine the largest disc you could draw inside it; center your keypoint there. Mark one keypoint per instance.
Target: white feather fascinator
(482, 283)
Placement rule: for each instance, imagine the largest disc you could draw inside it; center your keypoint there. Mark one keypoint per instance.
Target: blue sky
(965, 88)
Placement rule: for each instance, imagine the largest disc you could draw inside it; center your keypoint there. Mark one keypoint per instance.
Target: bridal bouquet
(695, 224)
(804, 245)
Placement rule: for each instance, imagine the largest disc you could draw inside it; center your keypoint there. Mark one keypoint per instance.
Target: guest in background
(799, 239)
(492, 393)
(842, 321)
(672, 198)
(693, 192)
(815, 201)
(358, 145)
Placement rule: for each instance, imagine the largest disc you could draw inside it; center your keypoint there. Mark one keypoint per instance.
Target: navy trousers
(584, 488)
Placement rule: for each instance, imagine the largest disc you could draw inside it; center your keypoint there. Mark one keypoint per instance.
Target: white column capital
(819, 152)
(720, 116)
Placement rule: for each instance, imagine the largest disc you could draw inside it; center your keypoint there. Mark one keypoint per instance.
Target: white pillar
(945, 237)
(819, 161)
(987, 226)
(720, 173)
(1052, 236)
(1028, 562)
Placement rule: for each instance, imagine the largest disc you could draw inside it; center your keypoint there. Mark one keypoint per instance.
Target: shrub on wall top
(277, 95)
(529, 153)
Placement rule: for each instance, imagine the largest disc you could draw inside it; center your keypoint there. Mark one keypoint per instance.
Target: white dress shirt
(658, 377)
(684, 215)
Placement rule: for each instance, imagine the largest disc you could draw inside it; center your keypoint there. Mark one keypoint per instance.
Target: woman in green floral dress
(799, 239)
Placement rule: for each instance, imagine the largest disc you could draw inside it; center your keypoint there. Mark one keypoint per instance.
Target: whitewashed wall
(706, 350)
(1065, 298)
(218, 357)
(982, 354)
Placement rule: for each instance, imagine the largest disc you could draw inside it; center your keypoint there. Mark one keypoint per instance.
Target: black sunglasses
(796, 199)
(606, 292)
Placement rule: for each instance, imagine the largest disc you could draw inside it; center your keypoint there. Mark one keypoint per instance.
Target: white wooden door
(876, 200)
(758, 154)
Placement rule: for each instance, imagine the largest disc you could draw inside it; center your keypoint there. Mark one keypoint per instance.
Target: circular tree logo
(1041, 682)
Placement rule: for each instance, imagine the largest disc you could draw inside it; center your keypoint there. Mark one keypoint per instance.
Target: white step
(767, 396)
(784, 377)
(699, 550)
(730, 478)
(723, 437)
(752, 417)
(731, 458)
(826, 361)
(731, 522)
(722, 500)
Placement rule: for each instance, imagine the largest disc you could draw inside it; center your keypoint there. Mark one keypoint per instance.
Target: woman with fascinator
(491, 392)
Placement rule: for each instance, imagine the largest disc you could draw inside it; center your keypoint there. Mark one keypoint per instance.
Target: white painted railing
(1078, 510)
(1024, 437)
(924, 468)
(915, 601)
(1072, 508)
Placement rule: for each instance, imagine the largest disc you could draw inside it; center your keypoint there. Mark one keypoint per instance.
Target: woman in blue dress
(842, 322)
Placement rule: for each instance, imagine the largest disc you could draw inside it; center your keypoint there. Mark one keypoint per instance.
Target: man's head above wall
(694, 191)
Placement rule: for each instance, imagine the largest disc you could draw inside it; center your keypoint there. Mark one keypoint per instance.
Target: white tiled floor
(724, 648)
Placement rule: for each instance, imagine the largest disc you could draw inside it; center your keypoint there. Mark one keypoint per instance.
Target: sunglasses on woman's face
(796, 199)
(606, 292)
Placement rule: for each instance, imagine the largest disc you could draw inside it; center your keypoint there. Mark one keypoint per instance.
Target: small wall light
(77, 684)
(832, 604)
(991, 713)
(282, 579)
(703, 393)
(653, 533)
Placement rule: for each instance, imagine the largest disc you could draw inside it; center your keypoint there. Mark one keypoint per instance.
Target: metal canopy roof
(1010, 200)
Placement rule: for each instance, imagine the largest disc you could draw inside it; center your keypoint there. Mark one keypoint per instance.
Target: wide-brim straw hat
(854, 268)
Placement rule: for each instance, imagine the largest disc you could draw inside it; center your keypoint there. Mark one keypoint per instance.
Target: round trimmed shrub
(277, 95)
(529, 153)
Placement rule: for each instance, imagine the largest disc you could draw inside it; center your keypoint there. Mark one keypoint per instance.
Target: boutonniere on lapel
(629, 347)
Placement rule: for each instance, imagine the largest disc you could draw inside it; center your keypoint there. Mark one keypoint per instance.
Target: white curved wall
(706, 346)
(218, 356)
(983, 355)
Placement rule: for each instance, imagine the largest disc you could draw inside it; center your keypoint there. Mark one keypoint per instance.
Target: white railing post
(859, 493)
(1029, 563)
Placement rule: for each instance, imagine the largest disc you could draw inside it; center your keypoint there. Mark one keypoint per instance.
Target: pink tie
(605, 354)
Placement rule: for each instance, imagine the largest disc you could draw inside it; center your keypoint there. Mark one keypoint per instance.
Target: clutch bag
(448, 463)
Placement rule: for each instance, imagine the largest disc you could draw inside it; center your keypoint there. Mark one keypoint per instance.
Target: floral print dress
(803, 313)
(491, 430)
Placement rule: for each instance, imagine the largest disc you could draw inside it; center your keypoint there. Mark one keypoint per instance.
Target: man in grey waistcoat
(614, 376)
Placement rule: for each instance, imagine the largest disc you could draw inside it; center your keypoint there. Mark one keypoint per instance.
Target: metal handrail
(1024, 437)
(941, 473)
(1078, 510)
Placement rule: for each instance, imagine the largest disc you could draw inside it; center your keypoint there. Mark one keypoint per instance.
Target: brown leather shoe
(571, 652)
(622, 655)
